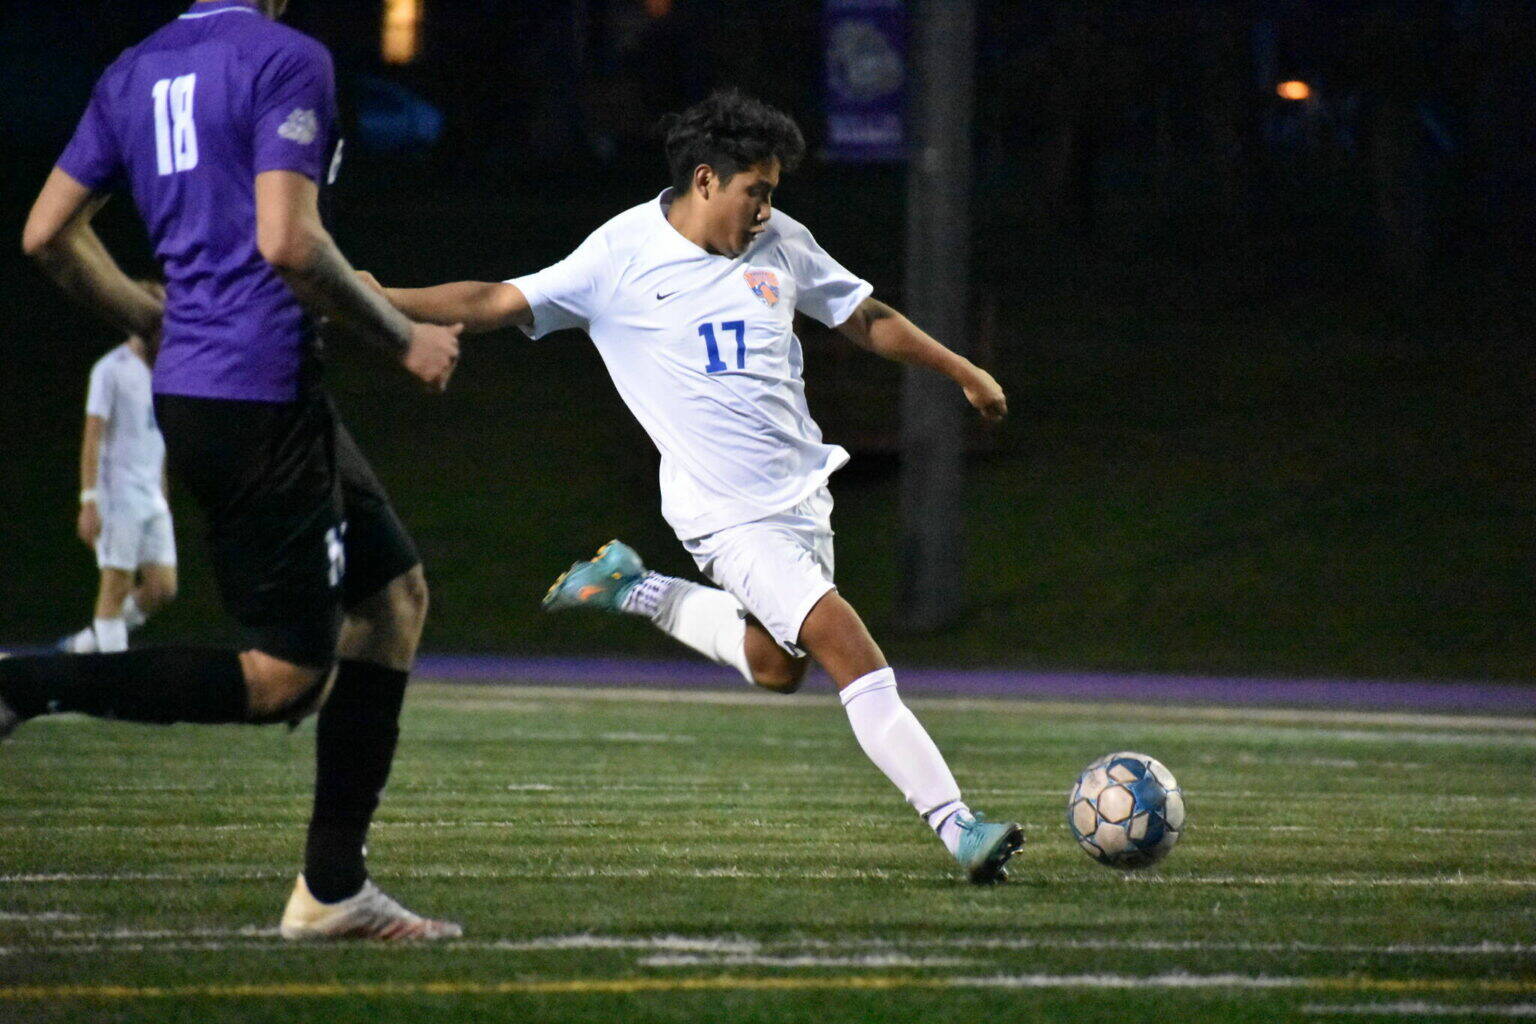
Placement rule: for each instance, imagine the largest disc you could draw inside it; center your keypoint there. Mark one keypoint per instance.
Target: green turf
(621, 855)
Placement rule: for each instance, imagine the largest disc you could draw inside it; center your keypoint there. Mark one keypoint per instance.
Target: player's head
(727, 152)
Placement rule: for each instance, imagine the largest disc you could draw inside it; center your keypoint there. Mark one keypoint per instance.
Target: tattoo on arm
(873, 309)
(327, 285)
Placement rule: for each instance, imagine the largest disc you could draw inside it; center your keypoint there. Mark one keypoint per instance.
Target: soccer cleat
(601, 582)
(368, 915)
(985, 847)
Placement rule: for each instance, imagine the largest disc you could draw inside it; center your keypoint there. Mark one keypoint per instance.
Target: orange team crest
(765, 285)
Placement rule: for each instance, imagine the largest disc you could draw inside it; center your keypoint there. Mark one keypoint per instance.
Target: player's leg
(267, 540)
(385, 594)
(896, 741)
(107, 623)
(157, 571)
(116, 556)
(108, 630)
(157, 588)
(703, 618)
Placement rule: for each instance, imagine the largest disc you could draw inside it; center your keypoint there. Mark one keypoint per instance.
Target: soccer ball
(1126, 810)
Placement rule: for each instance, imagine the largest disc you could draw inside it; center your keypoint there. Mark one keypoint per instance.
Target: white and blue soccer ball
(1126, 811)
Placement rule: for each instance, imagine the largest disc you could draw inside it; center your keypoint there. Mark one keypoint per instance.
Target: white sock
(133, 615)
(83, 642)
(899, 745)
(111, 635)
(708, 620)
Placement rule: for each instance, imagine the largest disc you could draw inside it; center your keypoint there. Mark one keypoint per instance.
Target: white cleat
(368, 915)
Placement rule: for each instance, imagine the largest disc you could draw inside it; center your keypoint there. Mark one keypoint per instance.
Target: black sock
(354, 747)
(151, 684)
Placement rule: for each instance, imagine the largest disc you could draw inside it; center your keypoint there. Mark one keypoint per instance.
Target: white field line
(868, 961)
(600, 737)
(786, 825)
(1420, 1010)
(1486, 948)
(1176, 979)
(786, 875)
(46, 915)
(453, 696)
(725, 948)
(1371, 764)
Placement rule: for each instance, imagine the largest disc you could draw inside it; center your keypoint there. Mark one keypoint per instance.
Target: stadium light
(1294, 90)
(402, 31)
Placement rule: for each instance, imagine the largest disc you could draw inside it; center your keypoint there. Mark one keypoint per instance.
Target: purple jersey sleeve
(92, 157)
(295, 111)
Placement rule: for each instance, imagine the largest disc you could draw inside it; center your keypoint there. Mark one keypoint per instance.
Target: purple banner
(866, 79)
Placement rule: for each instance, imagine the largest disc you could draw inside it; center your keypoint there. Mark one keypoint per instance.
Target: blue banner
(866, 79)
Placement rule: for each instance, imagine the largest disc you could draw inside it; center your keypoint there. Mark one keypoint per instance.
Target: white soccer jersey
(703, 351)
(132, 450)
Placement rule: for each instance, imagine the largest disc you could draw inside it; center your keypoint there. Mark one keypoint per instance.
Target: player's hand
(88, 523)
(433, 354)
(370, 282)
(986, 395)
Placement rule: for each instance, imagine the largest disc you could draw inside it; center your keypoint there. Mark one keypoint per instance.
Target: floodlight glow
(1293, 90)
(402, 31)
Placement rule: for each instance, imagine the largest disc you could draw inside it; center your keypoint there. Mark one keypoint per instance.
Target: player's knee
(400, 609)
(782, 676)
(279, 691)
(404, 605)
(156, 594)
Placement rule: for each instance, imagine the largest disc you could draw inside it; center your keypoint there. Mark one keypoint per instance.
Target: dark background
(1270, 362)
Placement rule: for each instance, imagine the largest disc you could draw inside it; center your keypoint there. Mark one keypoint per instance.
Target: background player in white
(690, 299)
(123, 512)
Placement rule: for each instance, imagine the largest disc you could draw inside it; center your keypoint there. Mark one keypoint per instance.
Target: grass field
(649, 855)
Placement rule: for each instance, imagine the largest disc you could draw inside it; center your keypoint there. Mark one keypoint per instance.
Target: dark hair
(730, 132)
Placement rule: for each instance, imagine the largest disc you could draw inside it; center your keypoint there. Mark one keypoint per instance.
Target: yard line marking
(740, 945)
(631, 986)
(869, 960)
(453, 696)
(1424, 1010)
(47, 915)
(1331, 882)
(1487, 948)
(790, 874)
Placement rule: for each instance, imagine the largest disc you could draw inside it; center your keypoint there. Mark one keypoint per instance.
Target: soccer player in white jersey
(690, 299)
(123, 512)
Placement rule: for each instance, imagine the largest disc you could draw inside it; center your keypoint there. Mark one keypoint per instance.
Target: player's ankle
(647, 594)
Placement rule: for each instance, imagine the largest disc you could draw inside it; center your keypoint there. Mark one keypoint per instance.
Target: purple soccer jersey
(187, 119)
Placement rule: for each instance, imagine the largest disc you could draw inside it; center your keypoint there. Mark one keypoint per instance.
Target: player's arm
(292, 239)
(88, 523)
(59, 236)
(478, 305)
(882, 330)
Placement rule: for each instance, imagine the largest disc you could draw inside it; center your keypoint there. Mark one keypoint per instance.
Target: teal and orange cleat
(600, 583)
(985, 847)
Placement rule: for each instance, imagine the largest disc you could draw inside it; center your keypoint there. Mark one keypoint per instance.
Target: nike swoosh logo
(660, 297)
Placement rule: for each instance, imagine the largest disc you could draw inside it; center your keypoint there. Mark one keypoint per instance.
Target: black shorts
(299, 527)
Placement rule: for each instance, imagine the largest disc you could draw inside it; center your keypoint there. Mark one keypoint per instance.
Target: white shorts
(778, 567)
(135, 536)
